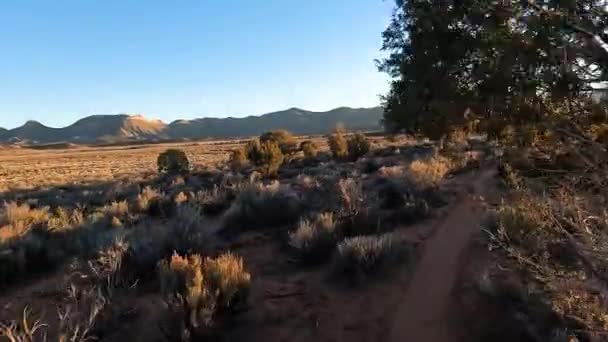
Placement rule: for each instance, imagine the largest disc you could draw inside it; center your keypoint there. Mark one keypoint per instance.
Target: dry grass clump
(17, 219)
(106, 268)
(238, 159)
(361, 256)
(24, 330)
(200, 292)
(13, 213)
(262, 206)
(309, 148)
(314, 239)
(338, 145)
(180, 198)
(428, 173)
(66, 219)
(116, 208)
(216, 200)
(145, 199)
(76, 320)
(357, 145)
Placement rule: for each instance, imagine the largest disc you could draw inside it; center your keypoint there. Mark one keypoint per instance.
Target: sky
(65, 59)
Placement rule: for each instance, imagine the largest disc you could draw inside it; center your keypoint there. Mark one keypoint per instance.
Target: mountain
(295, 120)
(124, 128)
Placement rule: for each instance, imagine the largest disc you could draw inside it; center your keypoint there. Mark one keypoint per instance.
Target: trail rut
(422, 314)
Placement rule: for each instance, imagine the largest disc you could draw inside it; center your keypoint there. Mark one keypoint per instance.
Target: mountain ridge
(123, 128)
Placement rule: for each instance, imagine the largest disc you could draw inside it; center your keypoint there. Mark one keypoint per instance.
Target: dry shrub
(314, 239)
(338, 145)
(22, 215)
(115, 222)
(216, 200)
(361, 256)
(357, 146)
(145, 199)
(238, 159)
(310, 149)
(116, 208)
(283, 138)
(188, 233)
(173, 161)
(396, 171)
(148, 243)
(428, 173)
(77, 320)
(200, 293)
(24, 330)
(180, 198)
(262, 206)
(17, 220)
(65, 219)
(599, 133)
(106, 268)
(351, 195)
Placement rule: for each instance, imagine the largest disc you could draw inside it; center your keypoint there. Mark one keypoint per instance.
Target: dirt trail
(422, 314)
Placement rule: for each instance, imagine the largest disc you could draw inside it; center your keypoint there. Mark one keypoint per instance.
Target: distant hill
(124, 128)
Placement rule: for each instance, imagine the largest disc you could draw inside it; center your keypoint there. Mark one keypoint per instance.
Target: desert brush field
(282, 238)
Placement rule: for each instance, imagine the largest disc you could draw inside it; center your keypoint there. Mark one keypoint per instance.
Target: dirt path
(422, 314)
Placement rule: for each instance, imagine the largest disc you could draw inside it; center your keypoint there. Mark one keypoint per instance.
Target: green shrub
(283, 138)
(309, 148)
(267, 156)
(173, 161)
(338, 144)
(361, 256)
(314, 239)
(198, 290)
(358, 146)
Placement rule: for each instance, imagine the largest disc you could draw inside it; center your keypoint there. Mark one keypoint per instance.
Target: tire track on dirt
(422, 314)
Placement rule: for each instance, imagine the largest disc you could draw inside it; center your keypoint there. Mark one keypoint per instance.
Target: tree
(502, 63)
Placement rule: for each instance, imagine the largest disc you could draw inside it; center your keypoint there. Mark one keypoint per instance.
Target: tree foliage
(498, 63)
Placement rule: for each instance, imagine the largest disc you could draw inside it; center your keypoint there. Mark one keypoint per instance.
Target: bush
(238, 159)
(173, 161)
(16, 220)
(267, 156)
(358, 146)
(360, 256)
(216, 200)
(314, 239)
(309, 148)
(188, 234)
(198, 292)
(13, 213)
(262, 206)
(427, 173)
(284, 139)
(338, 144)
(145, 199)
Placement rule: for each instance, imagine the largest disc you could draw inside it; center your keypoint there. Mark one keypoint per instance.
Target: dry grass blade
(25, 331)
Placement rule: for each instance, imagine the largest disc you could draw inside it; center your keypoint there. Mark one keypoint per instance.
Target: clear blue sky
(64, 59)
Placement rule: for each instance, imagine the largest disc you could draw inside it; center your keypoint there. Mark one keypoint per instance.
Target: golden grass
(429, 172)
(23, 168)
